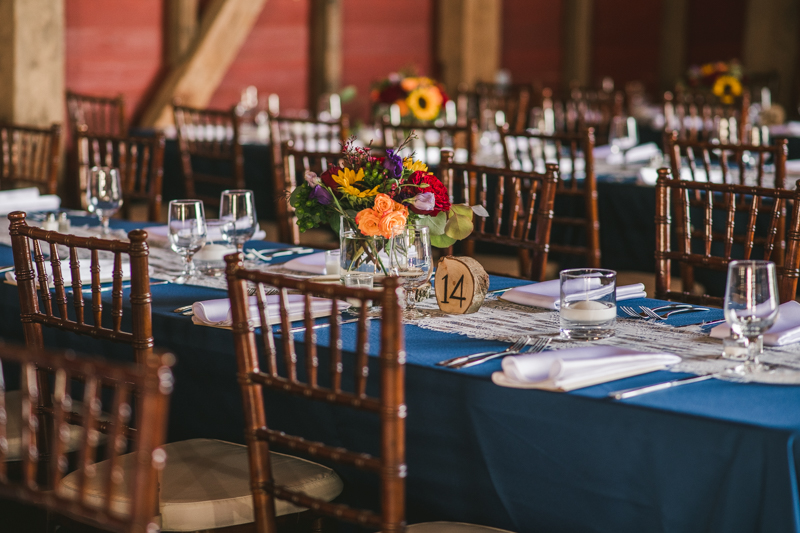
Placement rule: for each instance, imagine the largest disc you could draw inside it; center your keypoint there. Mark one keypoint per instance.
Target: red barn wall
(531, 41)
(113, 47)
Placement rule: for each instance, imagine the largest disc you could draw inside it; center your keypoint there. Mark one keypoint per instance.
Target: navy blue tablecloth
(713, 456)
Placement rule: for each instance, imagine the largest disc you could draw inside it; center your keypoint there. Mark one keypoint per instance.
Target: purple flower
(321, 195)
(424, 201)
(393, 163)
(312, 178)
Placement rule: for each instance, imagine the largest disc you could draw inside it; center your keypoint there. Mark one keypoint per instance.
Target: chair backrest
(573, 152)
(307, 134)
(716, 223)
(210, 136)
(99, 115)
(701, 116)
(140, 392)
(47, 309)
(744, 164)
(430, 140)
(589, 108)
(520, 206)
(310, 381)
(294, 166)
(140, 161)
(514, 101)
(29, 156)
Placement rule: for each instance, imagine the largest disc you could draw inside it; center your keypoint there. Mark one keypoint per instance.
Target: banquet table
(712, 456)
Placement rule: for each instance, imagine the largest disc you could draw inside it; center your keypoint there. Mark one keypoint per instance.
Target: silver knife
(638, 391)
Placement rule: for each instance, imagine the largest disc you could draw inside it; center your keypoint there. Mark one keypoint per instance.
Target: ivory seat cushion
(451, 527)
(206, 485)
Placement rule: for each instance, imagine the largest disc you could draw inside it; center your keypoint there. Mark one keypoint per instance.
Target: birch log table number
(461, 284)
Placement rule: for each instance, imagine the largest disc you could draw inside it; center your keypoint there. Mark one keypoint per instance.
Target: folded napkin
(785, 330)
(218, 312)
(649, 175)
(312, 264)
(638, 154)
(106, 272)
(547, 294)
(565, 370)
(214, 233)
(793, 166)
(27, 199)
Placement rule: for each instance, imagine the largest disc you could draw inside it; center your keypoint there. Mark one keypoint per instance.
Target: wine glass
(187, 233)
(412, 260)
(751, 307)
(104, 194)
(238, 208)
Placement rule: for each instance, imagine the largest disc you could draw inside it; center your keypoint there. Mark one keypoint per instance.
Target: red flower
(434, 185)
(327, 179)
(391, 94)
(445, 98)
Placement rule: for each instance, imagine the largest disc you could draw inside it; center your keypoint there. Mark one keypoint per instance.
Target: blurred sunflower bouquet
(418, 97)
(724, 79)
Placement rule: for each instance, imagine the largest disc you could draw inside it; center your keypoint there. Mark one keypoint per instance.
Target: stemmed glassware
(412, 260)
(238, 208)
(751, 307)
(104, 194)
(187, 233)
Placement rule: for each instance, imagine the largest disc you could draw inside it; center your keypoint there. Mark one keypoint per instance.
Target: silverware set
(518, 348)
(660, 313)
(270, 254)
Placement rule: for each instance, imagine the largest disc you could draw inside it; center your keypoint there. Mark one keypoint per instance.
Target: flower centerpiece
(371, 199)
(723, 79)
(418, 97)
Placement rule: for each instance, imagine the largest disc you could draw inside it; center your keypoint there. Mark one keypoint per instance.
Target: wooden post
(468, 47)
(325, 63)
(223, 30)
(32, 62)
(672, 51)
(771, 44)
(180, 27)
(576, 63)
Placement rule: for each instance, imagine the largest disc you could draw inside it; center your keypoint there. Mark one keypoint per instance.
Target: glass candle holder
(588, 303)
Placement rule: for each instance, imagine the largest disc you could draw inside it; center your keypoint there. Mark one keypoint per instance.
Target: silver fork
(655, 316)
(538, 346)
(522, 341)
(644, 311)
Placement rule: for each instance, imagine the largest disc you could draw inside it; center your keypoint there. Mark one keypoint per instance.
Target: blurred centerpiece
(370, 200)
(723, 79)
(418, 98)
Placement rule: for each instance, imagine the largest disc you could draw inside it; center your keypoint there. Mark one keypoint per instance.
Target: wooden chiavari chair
(294, 166)
(589, 109)
(740, 163)
(520, 206)
(431, 139)
(211, 136)
(716, 223)
(531, 151)
(700, 116)
(140, 161)
(29, 156)
(99, 115)
(514, 101)
(306, 378)
(138, 392)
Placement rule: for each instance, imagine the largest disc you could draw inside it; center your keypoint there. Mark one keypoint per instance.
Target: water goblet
(237, 207)
(412, 260)
(104, 194)
(751, 307)
(187, 233)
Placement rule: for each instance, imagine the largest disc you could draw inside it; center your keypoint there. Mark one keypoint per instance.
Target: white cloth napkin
(312, 263)
(638, 154)
(106, 272)
(547, 294)
(785, 330)
(793, 167)
(218, 312)
(214, 234)
(27, 199)
(565, 370)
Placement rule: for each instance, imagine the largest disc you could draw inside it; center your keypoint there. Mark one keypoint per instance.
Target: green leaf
(458, 226)
(442, 241)
(462, 209)
(436, 224)
(294, 198)
(480, 211)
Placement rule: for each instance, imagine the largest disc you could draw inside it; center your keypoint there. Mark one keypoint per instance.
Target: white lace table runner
(505, 321)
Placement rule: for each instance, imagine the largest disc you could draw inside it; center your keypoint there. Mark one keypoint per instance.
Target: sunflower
(414, 166)
(425, 102)
(726, 88)
(346, 179)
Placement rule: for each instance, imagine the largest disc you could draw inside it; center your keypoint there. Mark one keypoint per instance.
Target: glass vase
(361, 253)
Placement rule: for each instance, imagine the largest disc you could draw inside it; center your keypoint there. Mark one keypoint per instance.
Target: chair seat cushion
(451, 527)
(14, 427)
(206, 485)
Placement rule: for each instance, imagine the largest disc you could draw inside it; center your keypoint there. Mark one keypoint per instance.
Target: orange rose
(383, 204)
(368, 221)
(392, 223)
(400, 208)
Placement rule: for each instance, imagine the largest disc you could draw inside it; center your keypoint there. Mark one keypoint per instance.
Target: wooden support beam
(32, 61)
(325, 74)
(672, 51)
(577, 60)
(181, 18)
(771, 44)
(223, 29)
(468, 47)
